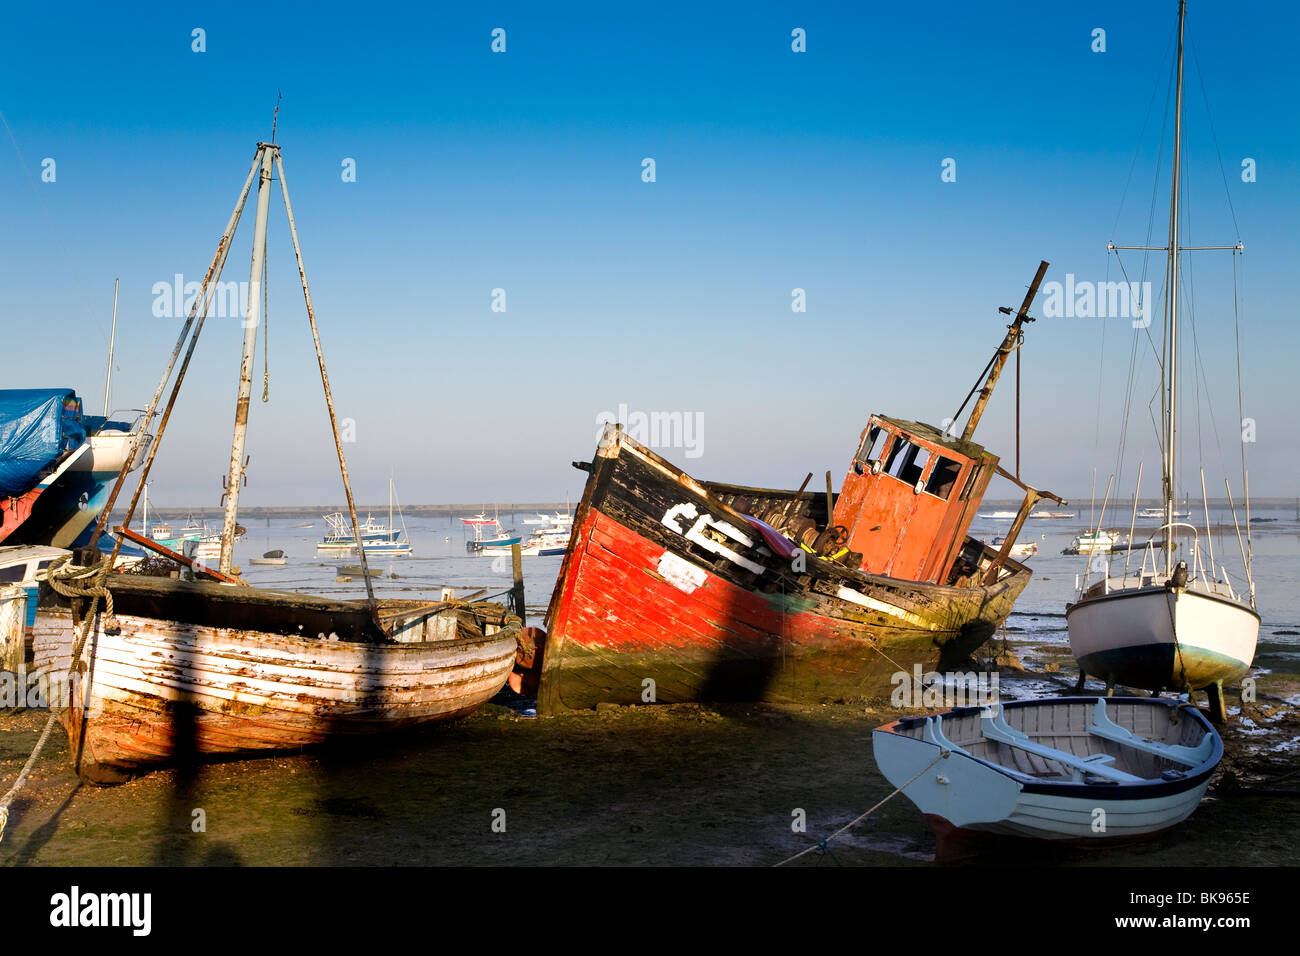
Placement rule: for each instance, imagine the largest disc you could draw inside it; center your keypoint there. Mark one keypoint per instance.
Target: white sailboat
(1093, 542)
(376, 537)
(1176, 624)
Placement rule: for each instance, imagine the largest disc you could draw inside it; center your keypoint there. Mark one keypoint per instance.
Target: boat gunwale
(825, 569)
(508, 629)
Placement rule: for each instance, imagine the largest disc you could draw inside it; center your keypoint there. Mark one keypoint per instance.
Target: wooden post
(13, 630)
(1009, 343)
(517, 561)
(830, 502)
(1032, 498)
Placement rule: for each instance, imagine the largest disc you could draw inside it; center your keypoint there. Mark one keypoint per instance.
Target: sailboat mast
(246, 365)
(1171, 323)
(112, 336)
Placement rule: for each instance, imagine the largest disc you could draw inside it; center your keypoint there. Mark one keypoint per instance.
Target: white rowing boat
(1084, 769)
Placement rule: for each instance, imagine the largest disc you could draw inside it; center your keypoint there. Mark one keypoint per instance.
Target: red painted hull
(640, 614)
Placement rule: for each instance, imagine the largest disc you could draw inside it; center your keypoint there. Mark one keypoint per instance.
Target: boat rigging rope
(266, 330)
(821, 846)
(1241, 413)
(67, 583)
(1119, 212)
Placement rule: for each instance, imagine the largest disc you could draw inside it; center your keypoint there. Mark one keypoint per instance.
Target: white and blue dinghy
(1075, 770)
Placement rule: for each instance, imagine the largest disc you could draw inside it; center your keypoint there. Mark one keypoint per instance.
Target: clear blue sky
(775, 170)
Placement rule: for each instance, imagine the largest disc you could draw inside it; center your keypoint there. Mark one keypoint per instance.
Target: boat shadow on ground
(46, 831)
(183, 811)
(689, 784)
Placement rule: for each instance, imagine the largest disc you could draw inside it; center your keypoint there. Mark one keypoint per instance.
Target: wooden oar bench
(1102, 726)
(996, 728)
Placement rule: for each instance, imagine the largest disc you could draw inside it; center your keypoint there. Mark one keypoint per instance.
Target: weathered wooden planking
(155, 692)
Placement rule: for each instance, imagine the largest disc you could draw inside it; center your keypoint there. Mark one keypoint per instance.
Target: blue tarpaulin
(37, 425)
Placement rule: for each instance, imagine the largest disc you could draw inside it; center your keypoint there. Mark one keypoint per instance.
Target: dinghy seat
(1102, 726)
(933, 734)
(997, 729)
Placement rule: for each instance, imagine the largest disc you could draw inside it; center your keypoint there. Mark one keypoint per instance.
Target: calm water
(440, 560)
(1275, 544)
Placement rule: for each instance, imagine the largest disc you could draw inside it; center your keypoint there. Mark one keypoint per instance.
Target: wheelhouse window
(943, 477)
(907, 461)
(873, 445)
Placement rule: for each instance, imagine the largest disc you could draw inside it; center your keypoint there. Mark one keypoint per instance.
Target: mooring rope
(63, 578)
(821, 845)
(66, 579)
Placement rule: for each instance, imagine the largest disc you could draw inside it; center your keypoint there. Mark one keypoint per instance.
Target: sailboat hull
(1159, 638)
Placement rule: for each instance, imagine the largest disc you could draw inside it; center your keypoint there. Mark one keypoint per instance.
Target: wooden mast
(1010, 343)
(237, 461)
(1004, 350)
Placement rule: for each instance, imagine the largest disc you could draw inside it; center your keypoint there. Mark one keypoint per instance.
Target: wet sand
(658, 785)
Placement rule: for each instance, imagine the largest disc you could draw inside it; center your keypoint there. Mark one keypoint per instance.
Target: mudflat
(691, 784)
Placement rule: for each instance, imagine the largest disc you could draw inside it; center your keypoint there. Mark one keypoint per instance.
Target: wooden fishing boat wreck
(675, 589)
(1085, 770)
(162, 671)
(196, 670)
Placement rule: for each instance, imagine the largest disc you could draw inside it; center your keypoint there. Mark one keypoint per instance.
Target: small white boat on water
(1021, 549)
(1094, 542)
(544, 542)
(376, 538)
(1159, 513)
(1084, 770)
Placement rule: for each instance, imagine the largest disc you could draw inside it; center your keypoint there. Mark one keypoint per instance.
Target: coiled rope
(70, 581)
(821, 846)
